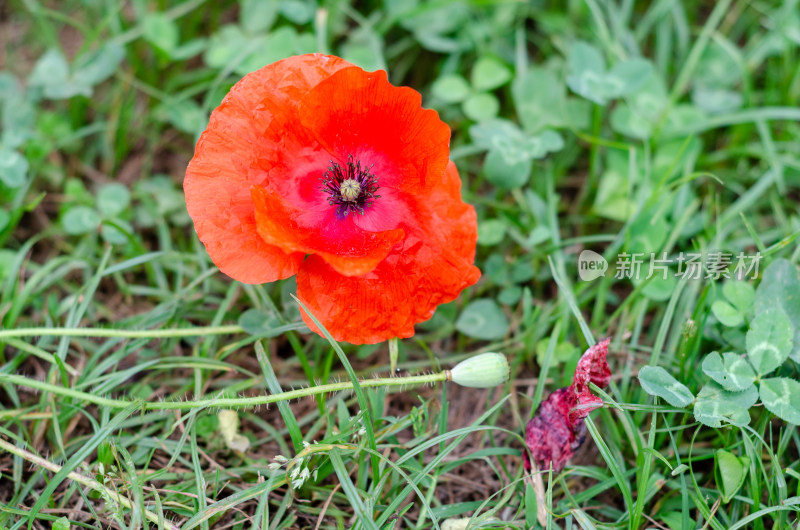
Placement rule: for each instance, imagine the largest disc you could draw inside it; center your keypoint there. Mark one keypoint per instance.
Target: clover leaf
(80, 220)
(781, 396)
(540, 99)
(451, 88)
(715, 405)
(730, 370)
(13, 168)
(514, 145)
(769, 341)
(780, 286)
(658, 382)
(483, 319)
(727, 315)
(588, 77)
(489, 73)
(53, 75)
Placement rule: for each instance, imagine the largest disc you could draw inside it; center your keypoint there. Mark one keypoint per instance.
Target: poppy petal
(557, 430)
(361, 113)
(227, 162)
(346, 247)
(430, 267)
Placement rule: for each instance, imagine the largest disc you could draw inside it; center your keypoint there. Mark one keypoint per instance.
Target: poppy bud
(481, 371)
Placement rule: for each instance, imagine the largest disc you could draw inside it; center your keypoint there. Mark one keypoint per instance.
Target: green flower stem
(122, 333)
(394, 350)
(224, 402)
(82, 479)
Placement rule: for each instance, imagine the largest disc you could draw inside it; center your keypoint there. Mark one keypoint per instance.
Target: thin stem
(81, 479)
(394, 350)
(137, 333)
(223, 402)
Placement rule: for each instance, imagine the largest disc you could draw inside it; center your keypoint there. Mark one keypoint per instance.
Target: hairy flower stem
(82, 479)
(223, 402)
(135, 334)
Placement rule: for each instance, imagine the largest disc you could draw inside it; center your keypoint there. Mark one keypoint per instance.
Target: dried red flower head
(557, 429)
(312, 166)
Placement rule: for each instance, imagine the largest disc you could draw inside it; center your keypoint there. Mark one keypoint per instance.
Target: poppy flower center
(350, 187)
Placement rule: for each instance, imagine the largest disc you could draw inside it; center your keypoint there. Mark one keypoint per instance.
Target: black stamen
(359, 188)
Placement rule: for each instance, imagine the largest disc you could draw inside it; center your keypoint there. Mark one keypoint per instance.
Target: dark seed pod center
(350, 187)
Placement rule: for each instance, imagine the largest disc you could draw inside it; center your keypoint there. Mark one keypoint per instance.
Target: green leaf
(727, 314)
(80, 220)
(715, 413)
(564, 351)
(483, 319)
(481, 107)
(781, 396)
(515, 146)
(260, 322)
(451, 89)
(491, 232)
(51, 69)
(13, 168)
(780, 285)
(112, 199)
(543, 143)
(613, 196)
(5, 218)
(98, 65)
(587, 75)
(716, 100)
(504, 174)
(730, 472)
(51, 74)
(489, 73)
(586, 72)
(712, 391)
(730, 370)
(189, 49)
(433, 23)
(716, 406)
(507, 296)
(658, 382)
(660, 288)
(279, 44)
(297, 11)
(185, 115)
(160, 31)
(540, 99)
(769, 340)
(740, 294)
(364, 48)
(224, 46)
(625, 121)
(257, 16)
(116, 235)
(62, 523)
(629, 76)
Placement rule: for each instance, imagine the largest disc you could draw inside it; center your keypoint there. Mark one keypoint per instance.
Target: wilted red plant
(557, 429)
(312, 166)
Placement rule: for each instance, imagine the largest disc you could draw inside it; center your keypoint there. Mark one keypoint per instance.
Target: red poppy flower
(557, 429)
(312, 166)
